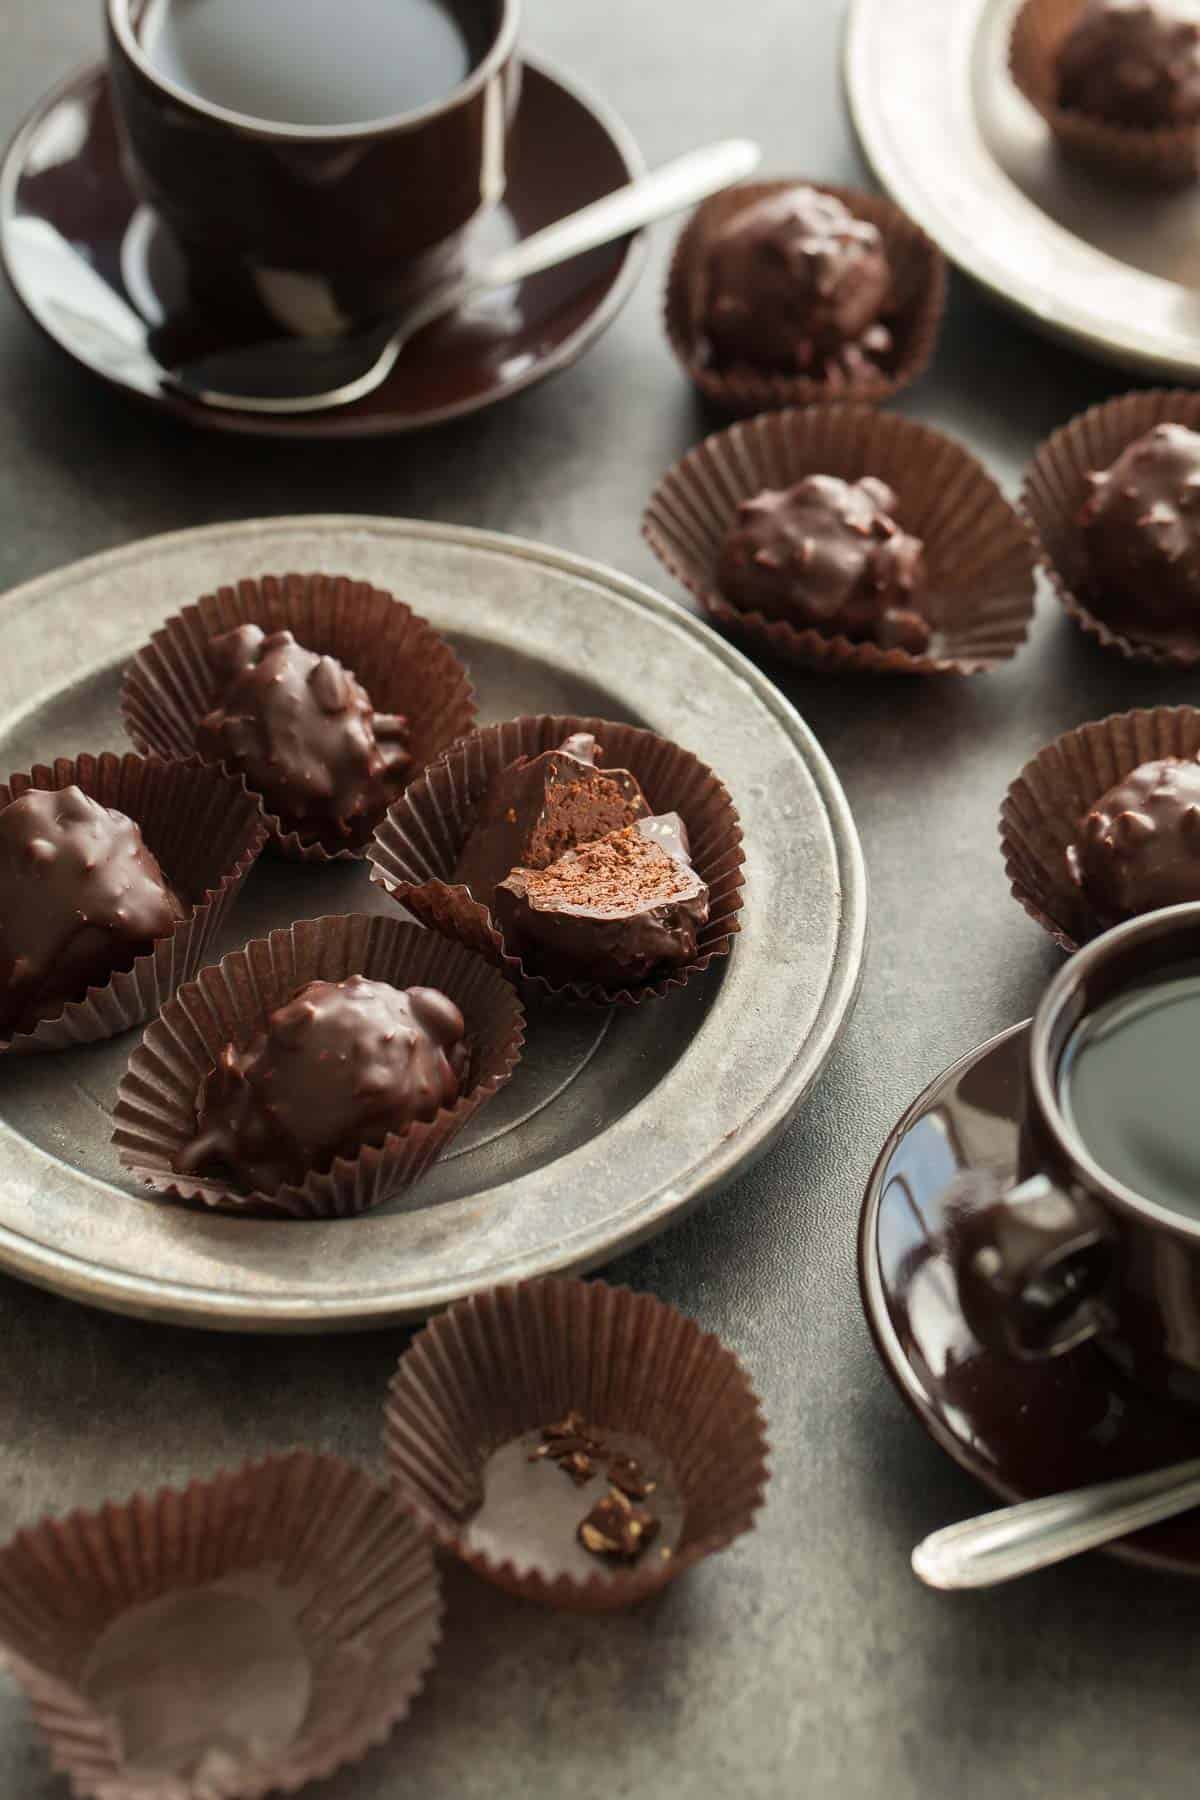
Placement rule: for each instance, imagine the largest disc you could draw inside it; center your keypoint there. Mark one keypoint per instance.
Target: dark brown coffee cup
(1070, 1253)
(323, 225)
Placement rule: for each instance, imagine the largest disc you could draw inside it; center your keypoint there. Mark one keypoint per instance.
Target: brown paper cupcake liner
(416, 847)
(919, 299)
(471, 1399)
(977, 551)
(1167, 157)
(1056, 488)
(205, 828)
(155, 1114)
(403, 663)
(240, 1636)
(1045, 804)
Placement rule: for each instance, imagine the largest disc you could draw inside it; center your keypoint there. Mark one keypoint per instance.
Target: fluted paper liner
(335, 1592)
(402, 662)
(1164, 157)
(1044, 806)
(205, 828)
(506, 1363)
(155, 1113)
(913, 319)
(1056, 489)
(415, 849)
(978, 555)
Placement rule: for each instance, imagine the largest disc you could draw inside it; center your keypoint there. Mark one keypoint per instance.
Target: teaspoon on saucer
(1017, 1540)
(312, 374)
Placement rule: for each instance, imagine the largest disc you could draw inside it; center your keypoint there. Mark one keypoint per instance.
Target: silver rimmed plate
(613, 1125)
(1112, 269)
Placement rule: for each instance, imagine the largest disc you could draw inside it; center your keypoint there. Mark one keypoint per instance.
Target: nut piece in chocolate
(1139, 846)
(303, 732)
(1133, 63)
(828, 555)
(541, 806)
(617, 1528)
(341, 1065)
(794, 283)
(81, 897)
(613, 911)
(1141, 530)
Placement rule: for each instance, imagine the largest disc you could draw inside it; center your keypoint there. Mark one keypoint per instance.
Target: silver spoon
(1016, 1540)
(309, 374)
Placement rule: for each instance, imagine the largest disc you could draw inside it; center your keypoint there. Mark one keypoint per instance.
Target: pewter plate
(614, 1124)
(1115, 271)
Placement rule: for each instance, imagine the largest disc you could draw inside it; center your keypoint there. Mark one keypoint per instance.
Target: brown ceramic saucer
(79, 253)
(1024, 1428)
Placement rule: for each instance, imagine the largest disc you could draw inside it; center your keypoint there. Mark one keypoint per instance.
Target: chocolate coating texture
(828, 555)
(341, 1065)
(1139, 846)
(613, 911)
(81, 897)
(540, 806)
(303, 732)
(796, 284)
(1133, 62)
(1141, 529)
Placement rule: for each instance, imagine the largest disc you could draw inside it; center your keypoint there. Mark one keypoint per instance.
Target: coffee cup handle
(1033, 1263)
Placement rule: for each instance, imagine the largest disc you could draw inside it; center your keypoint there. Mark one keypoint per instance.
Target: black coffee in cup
(317, 62)
(1129, 1085)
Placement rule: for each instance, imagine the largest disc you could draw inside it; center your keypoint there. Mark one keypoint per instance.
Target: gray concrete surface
(807, 1661)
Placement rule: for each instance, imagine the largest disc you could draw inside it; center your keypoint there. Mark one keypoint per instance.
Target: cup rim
(1165, 922)
(498, 55)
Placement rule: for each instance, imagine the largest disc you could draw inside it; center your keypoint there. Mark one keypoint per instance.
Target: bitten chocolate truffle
(796, 284)
(1133, 62)
(1139, 846)
(1141, 530)
(827, 555)
(303, 732)
(81, 897)
(541, 806)
(612, 911)
(341, 1065)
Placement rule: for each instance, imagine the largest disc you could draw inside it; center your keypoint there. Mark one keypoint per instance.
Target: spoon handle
(667, 190)
(1016, 1540)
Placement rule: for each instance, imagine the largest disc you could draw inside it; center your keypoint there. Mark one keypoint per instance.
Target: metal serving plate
(1112, 269)
(613, 1125)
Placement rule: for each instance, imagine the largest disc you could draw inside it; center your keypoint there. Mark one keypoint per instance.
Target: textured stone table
(807, 1661)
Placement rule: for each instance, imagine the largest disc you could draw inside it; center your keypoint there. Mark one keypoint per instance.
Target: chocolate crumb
(579, 1466)
(627, 1474)
(616, 1527)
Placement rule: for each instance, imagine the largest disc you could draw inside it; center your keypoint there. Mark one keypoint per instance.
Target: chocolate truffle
(1141, 529)
(303, 732)
(827, 555)
(1139, 846)
(540, 806)
(1133, 62)
(341, 1065)
(81, 897)
(613, 911)
(794, 283)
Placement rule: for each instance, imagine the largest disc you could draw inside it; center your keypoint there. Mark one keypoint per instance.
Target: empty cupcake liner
(977, 551)
(1045, 804)
(1167, 157)
(205, 828)
(401, 661)
(240, 1636)
(416, 847)
(1056, 488)
(155, 1113)
(473, 1394)
(914, 318)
